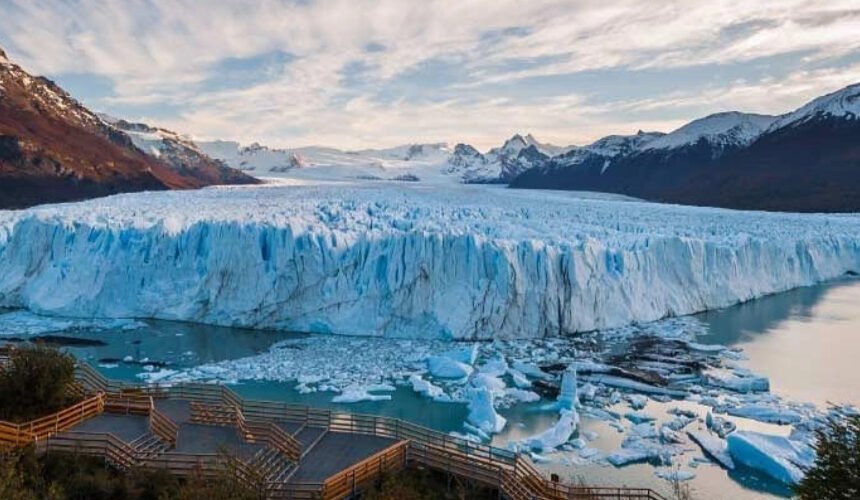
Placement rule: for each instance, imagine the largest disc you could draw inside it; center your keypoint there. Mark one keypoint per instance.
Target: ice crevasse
(458, 263)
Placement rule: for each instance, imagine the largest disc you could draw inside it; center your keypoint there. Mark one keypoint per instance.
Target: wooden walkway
(287, 451)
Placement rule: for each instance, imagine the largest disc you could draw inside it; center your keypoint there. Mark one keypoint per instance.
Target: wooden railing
(514, 475)
(349, 481)
(209, 414)
(161, 425)
(106, 445)
(22, 434)
(128, 404)
(271, 434)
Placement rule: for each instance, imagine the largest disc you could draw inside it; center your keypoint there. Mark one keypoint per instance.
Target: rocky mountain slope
(807, 160)
(53, 149)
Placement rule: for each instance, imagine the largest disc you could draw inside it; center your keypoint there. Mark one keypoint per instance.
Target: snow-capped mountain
(177, 151)
(422, 161)
(722, 130)
(842, 104)
(431, 162)
(52, 148)
(515, 144)
(806, 160)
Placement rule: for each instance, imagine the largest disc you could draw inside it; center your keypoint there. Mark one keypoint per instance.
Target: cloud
(358, 73)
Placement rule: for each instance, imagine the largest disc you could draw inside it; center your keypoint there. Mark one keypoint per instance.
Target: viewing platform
(282, 450)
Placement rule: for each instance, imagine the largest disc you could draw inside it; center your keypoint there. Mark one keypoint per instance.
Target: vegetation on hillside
(424, 484)
(25, 476)
(836, 473)
(35, 382)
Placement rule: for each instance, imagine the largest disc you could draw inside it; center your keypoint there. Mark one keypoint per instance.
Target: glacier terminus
(398, 259)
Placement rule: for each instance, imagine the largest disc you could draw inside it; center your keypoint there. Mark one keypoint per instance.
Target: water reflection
(744, 321)
(178, 345)
(807, 341)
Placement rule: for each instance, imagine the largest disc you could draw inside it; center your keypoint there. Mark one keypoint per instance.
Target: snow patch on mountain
(720, 129)
(428, 163)
(517, 143)
(844, 103)
(607, 148)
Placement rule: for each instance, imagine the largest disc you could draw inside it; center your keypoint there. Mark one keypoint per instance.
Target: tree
(836, 472)
(35, 383)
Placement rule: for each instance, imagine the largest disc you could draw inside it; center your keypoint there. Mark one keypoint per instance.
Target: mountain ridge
(54, 149)
(807, 160)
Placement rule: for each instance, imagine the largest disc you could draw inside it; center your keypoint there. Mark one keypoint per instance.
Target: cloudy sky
(357, 73)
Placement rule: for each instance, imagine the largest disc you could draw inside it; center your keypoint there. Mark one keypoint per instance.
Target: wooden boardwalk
(287, 451)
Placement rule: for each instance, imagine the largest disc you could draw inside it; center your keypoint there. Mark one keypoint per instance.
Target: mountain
(179, 153)
(53, 149)
(517, 142)
(806, 160)
(427, 162)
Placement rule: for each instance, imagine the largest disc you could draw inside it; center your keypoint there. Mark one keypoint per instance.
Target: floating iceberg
(428, 389)
(675, 475)
(357, 394)
(458, 262)
(638, 417)
(776, 456)
(530, 369)
(633, 385)
(519, 380)
(713, 447)
(556, 435)
(766, 413)
(466, 355)
(567, 398)
(737, 380)
(482, 414)
(489, 382)
(633, 455)
(445, 367)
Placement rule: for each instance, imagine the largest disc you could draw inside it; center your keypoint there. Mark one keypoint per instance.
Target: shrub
(35, 383)
(836, 472)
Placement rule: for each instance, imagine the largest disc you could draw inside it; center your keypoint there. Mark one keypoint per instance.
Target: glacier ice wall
(394, 260)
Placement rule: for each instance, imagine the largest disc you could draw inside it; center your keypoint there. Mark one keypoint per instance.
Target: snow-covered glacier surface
(405, 260)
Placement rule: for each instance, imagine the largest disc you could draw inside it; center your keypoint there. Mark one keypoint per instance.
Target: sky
(356, 74)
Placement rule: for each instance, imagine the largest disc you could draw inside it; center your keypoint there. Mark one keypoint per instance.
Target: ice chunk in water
(356, 394)
(713, 447)
(776, 456)
(445, 367)
(556, 435)
(482, 414)
(765, 413)
(567, 398)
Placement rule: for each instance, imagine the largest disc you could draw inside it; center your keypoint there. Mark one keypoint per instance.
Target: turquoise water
(807, 341)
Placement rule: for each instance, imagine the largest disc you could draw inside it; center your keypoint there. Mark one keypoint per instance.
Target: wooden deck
(335, 452)
(288, 451)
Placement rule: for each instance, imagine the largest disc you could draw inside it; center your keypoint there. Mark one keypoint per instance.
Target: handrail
(511, 472)
(346, 482)
(274, 436)
(22, 434)
(95, 443)
(127, 403)
(161, 425)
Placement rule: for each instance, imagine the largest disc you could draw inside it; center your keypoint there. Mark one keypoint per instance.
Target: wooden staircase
(148, 446)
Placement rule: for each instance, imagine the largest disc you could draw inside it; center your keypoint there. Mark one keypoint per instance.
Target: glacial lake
(807, 341)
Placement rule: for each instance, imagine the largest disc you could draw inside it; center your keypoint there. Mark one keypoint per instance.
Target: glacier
(405, 260)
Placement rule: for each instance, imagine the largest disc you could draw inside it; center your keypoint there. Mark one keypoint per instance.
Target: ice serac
(464, 262)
